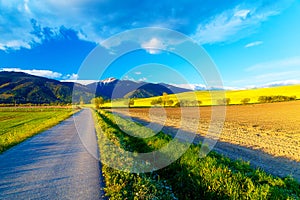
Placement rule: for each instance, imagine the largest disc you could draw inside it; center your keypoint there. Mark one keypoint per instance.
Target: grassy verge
(123, 184)
(190, 177)
(19, 124)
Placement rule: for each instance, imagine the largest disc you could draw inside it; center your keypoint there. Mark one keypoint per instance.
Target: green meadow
(20, 123)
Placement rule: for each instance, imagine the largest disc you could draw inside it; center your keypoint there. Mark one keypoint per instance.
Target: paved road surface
(54, 164)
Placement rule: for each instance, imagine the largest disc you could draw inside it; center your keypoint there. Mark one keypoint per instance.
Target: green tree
(245, 100)
(183, 103)
(170, 102)
(199, 102)
(224, 101)
(157, 101)
(196, 103)
(177, 104)
(131, 102)
(165, 98)
(154, 102)
(292, 98)
(98, 102)
(81, 101)
(227, 101)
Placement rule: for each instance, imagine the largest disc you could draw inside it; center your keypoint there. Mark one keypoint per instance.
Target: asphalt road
(54, 164)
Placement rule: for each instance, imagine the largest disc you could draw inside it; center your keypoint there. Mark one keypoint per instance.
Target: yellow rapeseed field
(212, 97)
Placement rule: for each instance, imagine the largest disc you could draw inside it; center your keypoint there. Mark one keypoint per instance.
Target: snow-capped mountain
(114, 88)
(108, 80)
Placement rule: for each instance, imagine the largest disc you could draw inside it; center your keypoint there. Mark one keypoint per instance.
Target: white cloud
(142, 79)
(242, 13)
(191, 86)
(26, 6)
(128, 78)
(225, 26)
(277, 75)
(71, 77)
(138, 73)
(36, 72)
(281, 83)
(204, 87)
(263, 85)
(152, 39)
(274, 84)
(153, 46)
(271, 78)
(293, 62)
(83, 82)
(252, 44)
(14, 44)
(95, 20)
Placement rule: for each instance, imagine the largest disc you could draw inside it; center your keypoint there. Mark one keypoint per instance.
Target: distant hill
(113, 89)
(18, 87)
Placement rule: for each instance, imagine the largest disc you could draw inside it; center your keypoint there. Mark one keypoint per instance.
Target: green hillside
(21, 88)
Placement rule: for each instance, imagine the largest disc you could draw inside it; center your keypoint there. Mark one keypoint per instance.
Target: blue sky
(252, 43)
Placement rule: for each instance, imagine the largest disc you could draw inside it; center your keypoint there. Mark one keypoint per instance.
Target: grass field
(18, 124)
(212, 97)
(190, 177)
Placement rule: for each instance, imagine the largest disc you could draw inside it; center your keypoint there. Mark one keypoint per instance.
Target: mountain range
(19, 87)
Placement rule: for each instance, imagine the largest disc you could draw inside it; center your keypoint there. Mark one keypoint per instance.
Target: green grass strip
(123, 184)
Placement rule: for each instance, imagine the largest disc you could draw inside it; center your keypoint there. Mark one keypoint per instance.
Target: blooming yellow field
(212, 97)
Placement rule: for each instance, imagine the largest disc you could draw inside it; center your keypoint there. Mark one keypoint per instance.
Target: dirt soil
(267, 135)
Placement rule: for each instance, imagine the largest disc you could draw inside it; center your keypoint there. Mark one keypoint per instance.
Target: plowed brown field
(273, 128)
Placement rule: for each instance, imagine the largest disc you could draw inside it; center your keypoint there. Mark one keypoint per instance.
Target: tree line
(165, 101)
(278, 98)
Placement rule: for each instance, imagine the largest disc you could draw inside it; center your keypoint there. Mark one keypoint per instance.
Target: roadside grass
(21, 123)
(123, 184)
(189, 177)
